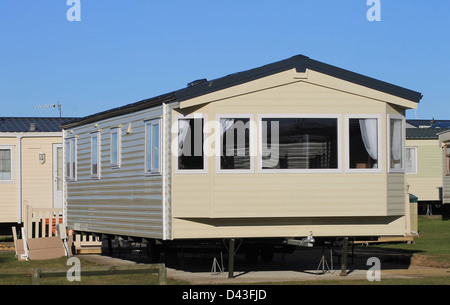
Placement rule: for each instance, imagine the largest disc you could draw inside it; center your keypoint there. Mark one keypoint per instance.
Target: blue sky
(125, 51)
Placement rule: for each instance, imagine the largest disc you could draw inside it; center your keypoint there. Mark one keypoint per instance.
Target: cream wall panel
(427, 182)
(8, 198)
(37, 178)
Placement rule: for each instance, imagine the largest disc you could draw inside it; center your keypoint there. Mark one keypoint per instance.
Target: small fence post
(35, 277)
(162, 274)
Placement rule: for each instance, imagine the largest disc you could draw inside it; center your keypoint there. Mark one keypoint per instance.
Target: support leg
(231, 259)
(344, 257)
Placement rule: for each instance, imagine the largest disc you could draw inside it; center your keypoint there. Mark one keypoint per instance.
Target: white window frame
(338, 117)
(205, 142)
(118, 131)
(379, 169)
(389, 118)
(415, 161)
(252, 127)
(71, 174)
(11, 149)
(153, 171)
(98, 148)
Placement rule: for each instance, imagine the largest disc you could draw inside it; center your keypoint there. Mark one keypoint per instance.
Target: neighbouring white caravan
(322, 150)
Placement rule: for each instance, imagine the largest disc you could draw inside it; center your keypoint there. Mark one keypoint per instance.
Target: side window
(71, 159)
(95, 155)
(396, 144)
(6, 163)
(152, 146)
(190, 144)
(447, 158)
(115, 147)
(363, 144)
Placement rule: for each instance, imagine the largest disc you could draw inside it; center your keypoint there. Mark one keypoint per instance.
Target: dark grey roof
(429, 123)
(24, 124)
(424, 133)
(300, 63)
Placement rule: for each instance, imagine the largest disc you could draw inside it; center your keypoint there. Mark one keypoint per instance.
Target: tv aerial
(48, 106)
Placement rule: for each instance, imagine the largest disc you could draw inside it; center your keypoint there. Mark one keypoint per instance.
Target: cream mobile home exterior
(444, 141)
(30, 165)
(322, 150)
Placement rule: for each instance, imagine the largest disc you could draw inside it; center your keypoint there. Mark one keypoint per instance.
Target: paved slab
(302, 265)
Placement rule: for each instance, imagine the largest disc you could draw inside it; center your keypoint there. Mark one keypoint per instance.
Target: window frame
(71, 174)
(379, 169)
(98, 148)
(152, 171)
(415, 159)
(118, 131)
(205, 132)
(218, 132)
(12, 160)
(403, 136)
(338, 118)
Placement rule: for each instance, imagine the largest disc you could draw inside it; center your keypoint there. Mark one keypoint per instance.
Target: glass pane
(73, 159)
(396, 150)
(114, 148)
(155, 159)
(235, 144)
(363, 145)
(190, 141)
(5, 164)
(148, 148)
(299, 143)
(94, 155)
(59, 168)
(68, 159)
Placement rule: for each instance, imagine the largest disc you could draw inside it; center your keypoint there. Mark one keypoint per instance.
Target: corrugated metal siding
(124, 201)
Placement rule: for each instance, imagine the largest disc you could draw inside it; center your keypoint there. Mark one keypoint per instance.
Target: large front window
(302, 143)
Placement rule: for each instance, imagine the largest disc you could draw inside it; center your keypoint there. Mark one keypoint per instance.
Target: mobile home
(30, 165)
(279, 151)
(444, 141)
(424, 166)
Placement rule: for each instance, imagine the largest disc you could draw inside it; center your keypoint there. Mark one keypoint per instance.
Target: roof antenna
(46, 106)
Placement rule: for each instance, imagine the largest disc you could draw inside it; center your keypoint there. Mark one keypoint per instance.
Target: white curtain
(183, 129)
(369, 134)
(396, 143)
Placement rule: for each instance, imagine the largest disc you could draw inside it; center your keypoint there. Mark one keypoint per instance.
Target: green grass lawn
(433, 241)
(10, 265)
